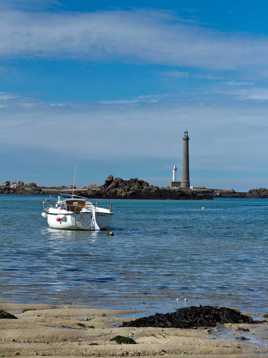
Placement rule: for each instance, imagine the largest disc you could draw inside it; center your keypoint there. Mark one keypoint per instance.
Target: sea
(163, 255)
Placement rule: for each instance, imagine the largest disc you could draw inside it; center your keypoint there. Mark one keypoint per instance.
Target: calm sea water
(163, 255)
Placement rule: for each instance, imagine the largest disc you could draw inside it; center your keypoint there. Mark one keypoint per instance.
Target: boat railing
(61, 197)
(47, 202)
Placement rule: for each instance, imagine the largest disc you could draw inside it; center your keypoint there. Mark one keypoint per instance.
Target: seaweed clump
(192, 317)
(123, 340)
(6, 315)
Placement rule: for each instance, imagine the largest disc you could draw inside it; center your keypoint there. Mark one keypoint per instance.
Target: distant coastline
(118, 188)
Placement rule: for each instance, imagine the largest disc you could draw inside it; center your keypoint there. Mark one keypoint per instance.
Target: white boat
(77, 213)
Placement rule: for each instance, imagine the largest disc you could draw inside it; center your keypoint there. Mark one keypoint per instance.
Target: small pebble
(242, 329)
(81, 325)
(242, 338)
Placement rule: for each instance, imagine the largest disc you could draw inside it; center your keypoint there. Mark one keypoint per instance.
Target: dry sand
(69, 331)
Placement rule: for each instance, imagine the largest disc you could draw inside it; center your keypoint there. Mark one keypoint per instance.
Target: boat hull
(81, 221)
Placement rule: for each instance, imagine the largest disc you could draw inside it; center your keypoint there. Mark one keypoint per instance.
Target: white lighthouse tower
(174, 183)
(174, 173)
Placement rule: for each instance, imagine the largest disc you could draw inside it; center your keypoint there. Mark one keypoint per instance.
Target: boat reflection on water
(54, 234)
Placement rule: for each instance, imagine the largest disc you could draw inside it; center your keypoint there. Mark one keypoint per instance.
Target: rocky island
(113, 188)
(118, 188)
(135, 188)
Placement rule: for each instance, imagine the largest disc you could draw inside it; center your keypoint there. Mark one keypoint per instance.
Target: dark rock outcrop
(118, 188)
(123, 340)
(6, 315)
(225, 193)
(251, 194)
(192, 317)
(20, 188)
(258, 193)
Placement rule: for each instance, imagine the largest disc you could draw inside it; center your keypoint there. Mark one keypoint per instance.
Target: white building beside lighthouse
(174, 183)
(174, 173)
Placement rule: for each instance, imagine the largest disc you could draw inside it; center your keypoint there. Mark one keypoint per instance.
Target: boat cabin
(74, 205)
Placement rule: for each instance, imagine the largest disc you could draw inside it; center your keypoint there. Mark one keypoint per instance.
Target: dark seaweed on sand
(192, 317)
(6, 315)
(123, 340)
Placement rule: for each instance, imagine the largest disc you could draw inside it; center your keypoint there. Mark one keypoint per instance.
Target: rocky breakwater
(258, 193)
(118, 188)
(20, 188)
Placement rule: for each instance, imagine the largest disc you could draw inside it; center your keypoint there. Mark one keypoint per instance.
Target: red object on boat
(58, 219)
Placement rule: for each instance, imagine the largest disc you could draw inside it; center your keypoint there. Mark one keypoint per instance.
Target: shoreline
(76, 331)
(45, 194)
(83, 194)
(134, 188)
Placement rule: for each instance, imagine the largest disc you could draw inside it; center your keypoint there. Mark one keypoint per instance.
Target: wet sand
(70, 331)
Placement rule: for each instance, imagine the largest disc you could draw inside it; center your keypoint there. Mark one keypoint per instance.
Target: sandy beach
(71, 331)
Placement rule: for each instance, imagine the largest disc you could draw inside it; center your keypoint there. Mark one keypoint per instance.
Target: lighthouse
(185, 175)
(185, 168)
(174, 173)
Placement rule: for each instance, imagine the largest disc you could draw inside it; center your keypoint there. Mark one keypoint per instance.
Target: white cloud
(176, 74)
(235, 83)
(250, 94)
(137, 100)
(15, 102)
(5, 97)
(27, 4)
(130, 36)
(220, 135)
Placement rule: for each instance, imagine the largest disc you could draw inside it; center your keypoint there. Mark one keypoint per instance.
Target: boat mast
(74, 179)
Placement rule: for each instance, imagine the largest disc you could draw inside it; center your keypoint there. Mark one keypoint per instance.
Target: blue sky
(110, 86)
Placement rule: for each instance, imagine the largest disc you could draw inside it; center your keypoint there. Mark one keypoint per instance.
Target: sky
(109, 87)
